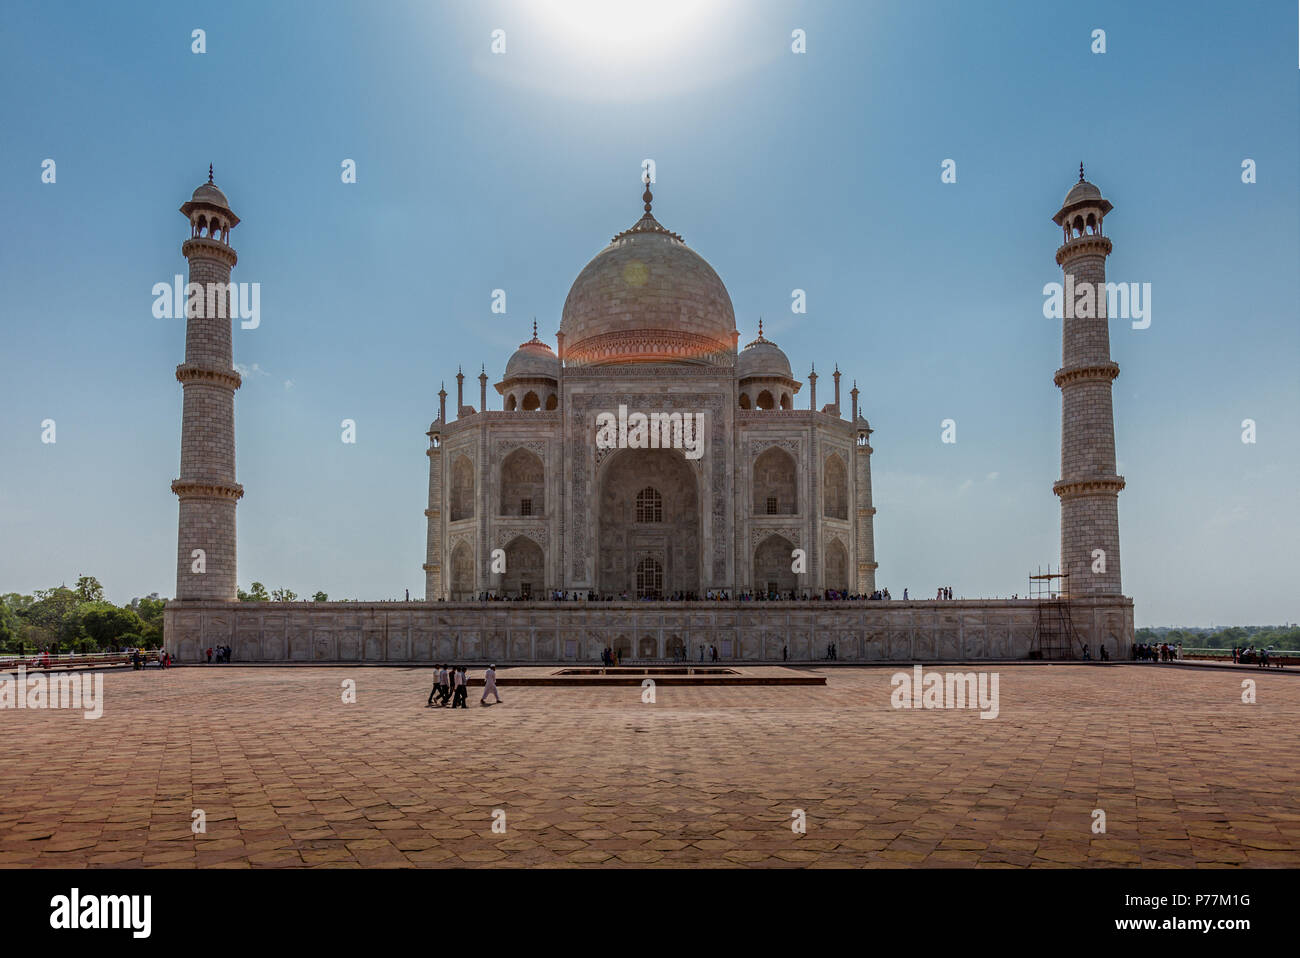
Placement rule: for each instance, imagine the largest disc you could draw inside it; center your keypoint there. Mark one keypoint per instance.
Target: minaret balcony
(1089, 244)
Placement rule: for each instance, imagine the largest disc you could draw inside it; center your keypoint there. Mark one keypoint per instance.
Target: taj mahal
(640, 482)
(648, 327)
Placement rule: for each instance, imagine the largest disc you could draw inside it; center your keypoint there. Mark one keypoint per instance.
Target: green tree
(55, 617)
(150, 610)
(88, 589)
(9, 626)
(256, 593)
(16, 602)
(320, 597)
(284, 595)
(109, 625)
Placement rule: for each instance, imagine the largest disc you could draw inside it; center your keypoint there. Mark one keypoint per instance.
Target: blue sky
(817, 171)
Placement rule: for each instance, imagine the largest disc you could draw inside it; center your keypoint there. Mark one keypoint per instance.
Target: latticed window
(771, 505)
(649, 506)
(649, 578)
(525, 507)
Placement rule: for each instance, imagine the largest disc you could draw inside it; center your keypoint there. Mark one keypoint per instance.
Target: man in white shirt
(439, 678)
(490, 685)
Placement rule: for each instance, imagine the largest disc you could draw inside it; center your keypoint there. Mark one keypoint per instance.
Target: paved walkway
(288, 775)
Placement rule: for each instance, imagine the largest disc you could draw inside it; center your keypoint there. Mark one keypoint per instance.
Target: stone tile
(297, 779)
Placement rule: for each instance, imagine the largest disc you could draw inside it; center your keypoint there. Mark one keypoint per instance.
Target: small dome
(533, 359)
(1080, 192)
(762, 357)
(1081, 195)
(209, 193)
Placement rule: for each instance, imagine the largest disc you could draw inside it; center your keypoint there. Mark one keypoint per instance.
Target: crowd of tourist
(451, 685)
(1250, 654)
(1163, 652)
(140, 658)
(710, 595)
(223, 654)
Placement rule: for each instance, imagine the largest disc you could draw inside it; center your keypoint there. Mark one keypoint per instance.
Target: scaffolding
(1054, 635)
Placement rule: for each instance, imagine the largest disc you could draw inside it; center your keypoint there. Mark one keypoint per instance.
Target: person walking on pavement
(437, 686)
(462, 692)
(490, 685)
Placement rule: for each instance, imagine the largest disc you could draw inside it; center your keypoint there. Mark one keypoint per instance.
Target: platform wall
(546, 632)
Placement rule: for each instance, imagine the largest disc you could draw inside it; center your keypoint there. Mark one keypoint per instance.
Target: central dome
(647, 297)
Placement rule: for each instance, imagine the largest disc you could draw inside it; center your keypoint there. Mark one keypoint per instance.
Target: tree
(109, 626)
(88, 589)
(54, 617)
(9, 625)
(284, 595)
(150, 610)
(320, 597)
(16, 602)
(256, 593)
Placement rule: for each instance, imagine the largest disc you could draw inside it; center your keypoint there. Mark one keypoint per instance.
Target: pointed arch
(837, 566)
(775, 484)
(462, 489)
(771, 569)
(835, 488)
(462, 572)
(523, 484)
(525, 573)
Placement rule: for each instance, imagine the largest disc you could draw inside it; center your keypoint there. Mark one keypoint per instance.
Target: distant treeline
(80, 619)
(1227, 637)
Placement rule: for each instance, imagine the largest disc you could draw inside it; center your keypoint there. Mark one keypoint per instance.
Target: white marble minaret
(1089, 486)
(205, 552)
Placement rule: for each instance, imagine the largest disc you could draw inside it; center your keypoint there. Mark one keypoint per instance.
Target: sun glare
(626, 30)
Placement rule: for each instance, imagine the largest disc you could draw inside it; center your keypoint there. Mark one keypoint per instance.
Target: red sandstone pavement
(290, 776)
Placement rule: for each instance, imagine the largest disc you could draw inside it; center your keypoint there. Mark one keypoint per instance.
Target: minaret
(442, 404)
(460, 392)
(812, 388)
(205, 553)
(433, 514)
(482, 388)
(1088, 487)
(837, 389)
(854, 394)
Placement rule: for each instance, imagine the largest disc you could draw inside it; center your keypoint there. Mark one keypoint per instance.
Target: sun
(626, 50)
(625, 30)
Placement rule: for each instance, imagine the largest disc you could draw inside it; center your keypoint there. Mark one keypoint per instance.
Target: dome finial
(209, 172)
(1080, 171)
(760, 327)
(647, 196)
(534, 327)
